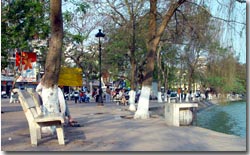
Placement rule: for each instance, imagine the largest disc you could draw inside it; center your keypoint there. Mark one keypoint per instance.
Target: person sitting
(71, 121)
(63, 106)
(122, 97)
(86, 97)
(13, 97)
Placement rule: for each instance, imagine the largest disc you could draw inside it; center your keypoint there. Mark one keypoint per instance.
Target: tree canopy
(192, 33)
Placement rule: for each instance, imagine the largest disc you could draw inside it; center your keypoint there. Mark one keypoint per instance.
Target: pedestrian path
(112, 128)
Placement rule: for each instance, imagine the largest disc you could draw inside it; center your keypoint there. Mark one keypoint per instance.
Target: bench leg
(60, 134)
(38, 131)
(33, 135)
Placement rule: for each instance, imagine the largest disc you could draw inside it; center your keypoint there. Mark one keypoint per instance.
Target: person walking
(76, 96)
(81, 99)
(97, 95)
(185, 94)
(108, 94)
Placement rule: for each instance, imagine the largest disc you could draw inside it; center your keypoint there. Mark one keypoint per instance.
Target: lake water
(228, 118)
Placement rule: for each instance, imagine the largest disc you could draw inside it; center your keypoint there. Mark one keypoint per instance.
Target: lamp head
(100, 34)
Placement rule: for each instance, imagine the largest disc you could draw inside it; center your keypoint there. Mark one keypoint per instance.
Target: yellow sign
(70, 77)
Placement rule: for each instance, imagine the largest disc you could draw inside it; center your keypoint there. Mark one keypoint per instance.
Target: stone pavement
(112, 128)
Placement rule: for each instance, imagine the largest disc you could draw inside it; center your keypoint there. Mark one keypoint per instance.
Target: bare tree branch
(225, 20)
(114, 8)
(241, 1)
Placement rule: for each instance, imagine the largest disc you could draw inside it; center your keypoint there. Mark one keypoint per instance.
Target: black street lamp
(99, 35)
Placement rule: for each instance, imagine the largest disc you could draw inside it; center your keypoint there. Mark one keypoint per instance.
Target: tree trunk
(132, 100)
(159, 72)
(152, 43)
(190, 78)
(133, 65)
(165, 86)
(143, 105)
(53, 61)
(159, 95)
(132, 91)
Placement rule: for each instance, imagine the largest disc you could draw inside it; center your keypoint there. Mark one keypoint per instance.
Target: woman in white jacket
(58, 106)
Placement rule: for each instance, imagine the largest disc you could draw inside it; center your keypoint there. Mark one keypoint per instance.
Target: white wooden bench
(37, 120)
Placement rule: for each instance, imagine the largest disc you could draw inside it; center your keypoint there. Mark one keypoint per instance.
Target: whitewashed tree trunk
(50, 105)
(155, 32)
(180, 99)
(90, 87)
(132, 100)
(50, 78)
(143, 105)
(50, 100)
(166, 97)
(102, 82)
(159, 97)
(91, 91)
(187, 97)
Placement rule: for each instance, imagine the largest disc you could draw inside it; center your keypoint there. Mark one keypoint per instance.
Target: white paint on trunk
(143, 105)
(50, 100)
(159, 97)
(166, 97)
(132, 100)
(102, 82)
(50, 105)
(91, 87)
(187, 97)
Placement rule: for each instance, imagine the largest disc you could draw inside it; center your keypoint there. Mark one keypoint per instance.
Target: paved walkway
(110, 128)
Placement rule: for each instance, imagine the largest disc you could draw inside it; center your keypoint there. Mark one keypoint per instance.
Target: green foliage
(236, 87)
(224, 73)
(67, 16)
(215, 81)
(82, 7)
(74, 17)
(21, 21)
(78, 38)
(127, 83)
(115, 52)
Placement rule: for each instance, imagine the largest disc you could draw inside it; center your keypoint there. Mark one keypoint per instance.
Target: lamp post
(99, 35)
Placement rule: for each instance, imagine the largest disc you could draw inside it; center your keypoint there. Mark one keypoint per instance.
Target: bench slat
(49, 118)
(29, 103)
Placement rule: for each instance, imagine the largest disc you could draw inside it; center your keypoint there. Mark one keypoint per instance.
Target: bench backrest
(28, 104)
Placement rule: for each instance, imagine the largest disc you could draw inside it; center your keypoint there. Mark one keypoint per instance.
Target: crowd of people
(84, 95)
(118, 94)
(183, 94)
(81, 96)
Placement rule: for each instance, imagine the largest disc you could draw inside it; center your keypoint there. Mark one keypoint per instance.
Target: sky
(232, 37)
(248, 30)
